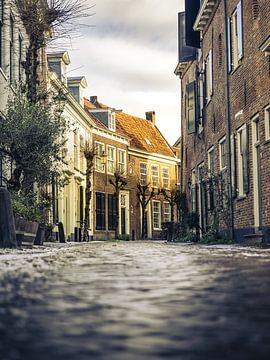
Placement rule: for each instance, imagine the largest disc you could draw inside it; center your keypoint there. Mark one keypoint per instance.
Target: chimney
(93, 99)
(151, 116)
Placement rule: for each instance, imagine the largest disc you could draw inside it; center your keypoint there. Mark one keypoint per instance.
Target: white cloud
(129, 59)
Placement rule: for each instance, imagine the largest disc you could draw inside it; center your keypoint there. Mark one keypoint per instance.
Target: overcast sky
(129, 58)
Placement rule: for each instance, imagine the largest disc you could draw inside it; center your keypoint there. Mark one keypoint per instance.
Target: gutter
(228, 122)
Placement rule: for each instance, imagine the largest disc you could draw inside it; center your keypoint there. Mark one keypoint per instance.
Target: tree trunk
(88, 196)
(144, 230)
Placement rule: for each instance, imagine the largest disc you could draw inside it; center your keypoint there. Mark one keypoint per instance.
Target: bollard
(7, 225)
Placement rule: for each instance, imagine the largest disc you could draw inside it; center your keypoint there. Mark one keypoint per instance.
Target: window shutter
(103, 212)
(245, 160)
(239, 30)
(98, 211)
(185, 52)
(229, 42)
(192, 9)
(191, 107)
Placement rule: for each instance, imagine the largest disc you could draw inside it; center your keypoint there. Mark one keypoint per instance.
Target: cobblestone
(136, 300)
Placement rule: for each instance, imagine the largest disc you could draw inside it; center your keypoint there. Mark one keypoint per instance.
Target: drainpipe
(228, 121)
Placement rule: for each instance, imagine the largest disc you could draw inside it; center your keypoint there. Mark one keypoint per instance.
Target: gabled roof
(143, 133)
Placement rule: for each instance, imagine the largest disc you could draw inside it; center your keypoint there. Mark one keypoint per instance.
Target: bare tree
(44, 21)
(144, 195)
(118, 182)
(89, 154)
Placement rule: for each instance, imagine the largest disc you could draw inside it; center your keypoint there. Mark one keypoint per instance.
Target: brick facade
(249, 95)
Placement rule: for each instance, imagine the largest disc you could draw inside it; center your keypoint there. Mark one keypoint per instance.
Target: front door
(123, 221)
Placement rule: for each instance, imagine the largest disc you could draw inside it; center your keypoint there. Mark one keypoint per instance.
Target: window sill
(157, 229)
(236, 68)
(241, 197)
(266, 141)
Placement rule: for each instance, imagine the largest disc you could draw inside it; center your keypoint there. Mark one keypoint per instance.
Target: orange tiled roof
(143, 134)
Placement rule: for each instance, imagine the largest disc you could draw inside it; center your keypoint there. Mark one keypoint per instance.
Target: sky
(128, 58)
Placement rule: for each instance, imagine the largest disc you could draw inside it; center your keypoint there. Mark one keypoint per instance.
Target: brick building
(224, 52)
(137, 148)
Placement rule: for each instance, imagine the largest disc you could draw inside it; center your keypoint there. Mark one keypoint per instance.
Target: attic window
(147, 141)
(111, 124)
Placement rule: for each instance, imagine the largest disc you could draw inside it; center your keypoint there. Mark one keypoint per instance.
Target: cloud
(129, 57)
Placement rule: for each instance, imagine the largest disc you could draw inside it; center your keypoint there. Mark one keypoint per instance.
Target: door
(123, 221)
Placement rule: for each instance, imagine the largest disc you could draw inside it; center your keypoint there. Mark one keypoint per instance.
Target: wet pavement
(136, 300)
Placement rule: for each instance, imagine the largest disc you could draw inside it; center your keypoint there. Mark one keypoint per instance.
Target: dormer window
(111, 122)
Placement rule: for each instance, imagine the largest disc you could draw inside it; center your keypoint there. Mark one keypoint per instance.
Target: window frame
(142, 180)
(235, 37)
(163, 177)
(267, 122)
(241, 160)
(122, 166)
(158, 213)
(76, 149)
(111, 161)
(211, 150)
(99, 165)
(221, 156)
(167, 216)
(111, 121)
(155, 184)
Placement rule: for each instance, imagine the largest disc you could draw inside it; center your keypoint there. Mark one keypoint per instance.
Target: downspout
(228, 122)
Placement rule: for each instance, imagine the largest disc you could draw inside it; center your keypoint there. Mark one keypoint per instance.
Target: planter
(25, 231)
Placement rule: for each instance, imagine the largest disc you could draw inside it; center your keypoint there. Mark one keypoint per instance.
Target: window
(155, 175)
(222, 154)
(100, 150)
(11, 49)
(111, 159)
(209, 75)
(111, 121)
(191, 107)
(211, 161)
(143, 173)
(166, 212)
(100, 211)
(76, 150)
(112, 203)
(193, 191)
(122, 161)
(242, 160)
(267, 122)
(1, 31)
(156, 215)
(235, 37)
(165, 177)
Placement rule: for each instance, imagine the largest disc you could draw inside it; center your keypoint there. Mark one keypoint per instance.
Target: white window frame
(82, 158)
(155, 176)
(143, 175)
(156, 212)
(209, 75)
(111, 121)
(111, 161)
(166, 211)
(99, 163)
(221, 142)
(122, 165)
(235, 33)
(267, 122)
(240, 161)
(209, 152)
(166, 183)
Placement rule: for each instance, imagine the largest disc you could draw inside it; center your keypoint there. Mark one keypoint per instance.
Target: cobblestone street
(136, 300)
